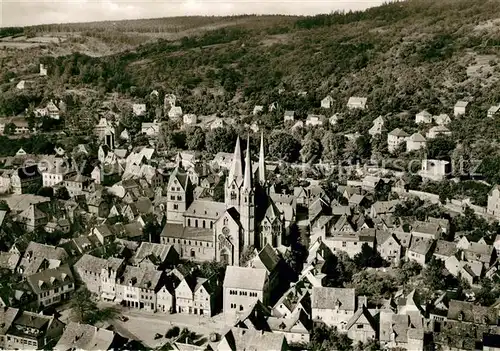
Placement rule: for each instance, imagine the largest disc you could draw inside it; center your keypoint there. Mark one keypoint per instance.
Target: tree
(220, 140)
(195, 138)
(408, 270)
(433, 275)
(332, 144)
(368, 257)
(440, 148)
(10, 129)
(326, 338)
(46, 191)
(311, 149)
(284, 147)
(62, 193)
(152, 229)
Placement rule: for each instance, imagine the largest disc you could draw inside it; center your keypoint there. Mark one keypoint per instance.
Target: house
(415, 142)
(335, 119)
(296, 329)
(19, 126)
(26, 179)
(78, 184)
(289, 116)
(139, 109)
(196, 295)
(423, 117)
(434, 132)
(52, 286)
(348, 242)
(137, 287)
(426, 230)
(327, 102)
(43, 70)
(371, 183)
(444, 250)
(155, 256)
(151, 129)
(237, 339)
(99, 275)
(483, 254)
(389, 247)
(21, 85)
(32, 218)
(470, 313)
(77, 336)
(314, 120)
(420, 250)
(395, 139)
(442, 119)
(356, 103)
(378, 126)
(435, 170)
(333, 306)
(258, 109)
(38, 257)
(189, 119)
(28, 330)
(297, 125)
(493, 110)
(493, 207)
(362, 327)
(460, 108)
(404, 331)
(243, 286)
(175, 113)
(381, 208)
(52, 110)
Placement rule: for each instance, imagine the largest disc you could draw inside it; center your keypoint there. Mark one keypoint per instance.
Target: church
(204, 230)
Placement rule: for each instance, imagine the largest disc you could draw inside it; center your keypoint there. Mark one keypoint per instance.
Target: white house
(438, 130)
(151, 129)
(460, 108)
(43, 70)
(190, 119)
(21, 85)
(327, 102)
(415, 142)
(314, 120)
(435, 170)
(139, 109)
(289, 116)
(493, 110)
(335, 119)
(423, 117)
(493, 207)
(357, 103)
(395, 139)
(258, 109)
(333, 306)
(175, 112)
(442, 119)
(378, 126)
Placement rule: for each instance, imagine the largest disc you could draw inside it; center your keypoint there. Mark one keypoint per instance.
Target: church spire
(236, 171)
(248, 182)
(262, 161)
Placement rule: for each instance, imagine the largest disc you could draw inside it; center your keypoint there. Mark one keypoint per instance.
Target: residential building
(20, 126)
(243, 286)
(314, 120)
(327, 102)
(435, 170)
(139, 109)
(389, 247)
(32, 218)
(436, 131)
(28, 330)
(442, 119)
(237, 339)
(415, 142)
(137, 287)
(77, 336)
(493, 110)
(43, 70)
(362, 327)
(296, 329)
(423, 117)
(460, 108)
(426, 230)
(333, 306)
(151, 128)
(52, 286)
(26, 179)
(78, 184)
(357, 103)
(155, 256)
(401, 331)
(289, 116)
(378, 126)
(189, 119)
(420, 250)
(348, 242)
(395, 139)
(38, 257)
(175, 113)
(493, 207)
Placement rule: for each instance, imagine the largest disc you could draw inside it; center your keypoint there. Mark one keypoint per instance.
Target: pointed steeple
(262, 161)
(248, 182)
(236, 171)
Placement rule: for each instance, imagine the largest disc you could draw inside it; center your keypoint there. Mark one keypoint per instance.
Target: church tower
(234, 181)
(262, 163)
(247, 207)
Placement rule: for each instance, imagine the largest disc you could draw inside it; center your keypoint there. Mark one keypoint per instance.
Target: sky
(25, 12)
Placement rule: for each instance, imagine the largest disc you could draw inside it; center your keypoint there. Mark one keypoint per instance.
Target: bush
(173, 332)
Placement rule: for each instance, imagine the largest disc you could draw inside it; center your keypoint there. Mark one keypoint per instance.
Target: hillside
(404, 56)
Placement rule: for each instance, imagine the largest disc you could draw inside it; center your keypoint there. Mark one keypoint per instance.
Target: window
(344, 244)
(176, 207)
(179, 198)
(172, 197)
(360, 326)
(189, 222)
